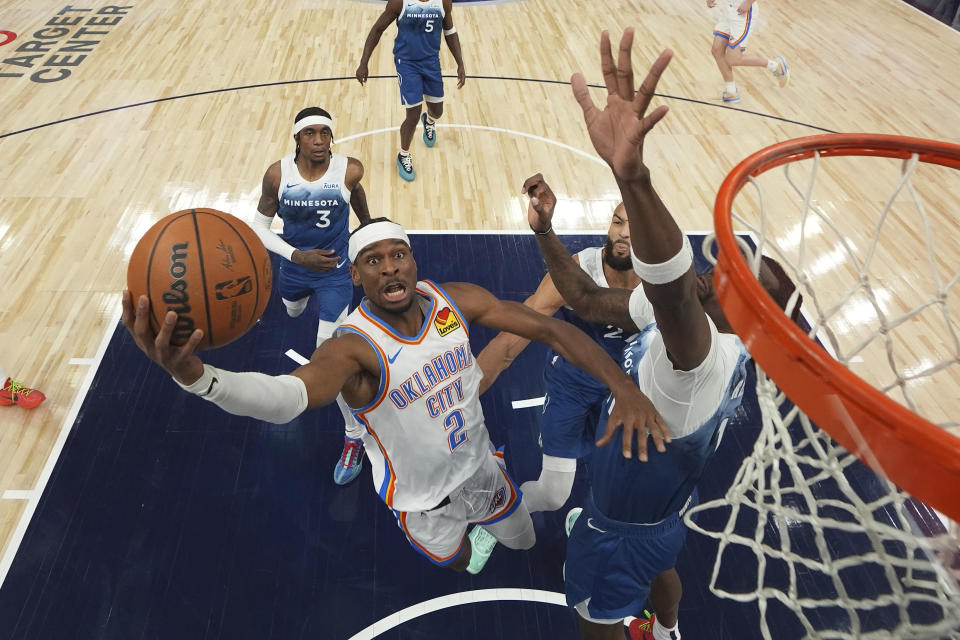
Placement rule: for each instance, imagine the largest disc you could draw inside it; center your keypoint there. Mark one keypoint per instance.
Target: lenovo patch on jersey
(446, 321)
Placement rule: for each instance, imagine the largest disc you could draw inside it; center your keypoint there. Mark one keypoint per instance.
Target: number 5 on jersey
(457, 436)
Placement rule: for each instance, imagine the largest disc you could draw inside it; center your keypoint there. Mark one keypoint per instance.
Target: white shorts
(486, 497)
(735, 27)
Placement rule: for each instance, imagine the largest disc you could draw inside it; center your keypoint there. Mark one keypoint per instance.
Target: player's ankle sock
(661, 632)
(430, 120)
(405, 154)
(730, 87)
(772, 65)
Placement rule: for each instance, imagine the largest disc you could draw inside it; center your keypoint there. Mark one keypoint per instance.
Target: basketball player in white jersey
(738, 19)
(573, 398)
(312, 190)
(624, 545)
(416, 55)
(402, 361)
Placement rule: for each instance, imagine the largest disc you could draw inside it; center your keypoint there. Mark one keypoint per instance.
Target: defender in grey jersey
(624, 544)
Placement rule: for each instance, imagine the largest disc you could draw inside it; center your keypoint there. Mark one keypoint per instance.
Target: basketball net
(812, 533)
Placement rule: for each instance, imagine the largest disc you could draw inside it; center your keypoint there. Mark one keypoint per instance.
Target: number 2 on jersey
(455, 421)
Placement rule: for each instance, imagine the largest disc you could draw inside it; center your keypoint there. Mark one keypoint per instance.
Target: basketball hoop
(798, 478)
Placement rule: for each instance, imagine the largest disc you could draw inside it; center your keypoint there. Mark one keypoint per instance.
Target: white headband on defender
(375, 232)
(303, 123)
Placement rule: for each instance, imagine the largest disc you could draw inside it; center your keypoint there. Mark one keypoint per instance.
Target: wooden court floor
(170, 104)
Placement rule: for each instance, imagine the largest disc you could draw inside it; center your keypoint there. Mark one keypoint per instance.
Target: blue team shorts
(419, 79)
(574, 400)
(613, 563)
(332, 292)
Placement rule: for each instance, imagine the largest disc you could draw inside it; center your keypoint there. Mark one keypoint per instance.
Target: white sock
(404, 153)
(772, 65)
(661, 632)
(730, 87)
(430, 119)
(353, 429)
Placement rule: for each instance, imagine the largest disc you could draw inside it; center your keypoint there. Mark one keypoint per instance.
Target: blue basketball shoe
(429, 131)
(350, 463)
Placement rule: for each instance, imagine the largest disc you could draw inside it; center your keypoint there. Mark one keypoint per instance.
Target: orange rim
(910, 451)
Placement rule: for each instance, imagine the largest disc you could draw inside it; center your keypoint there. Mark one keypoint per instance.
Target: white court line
(18, 494)
(17, 536)
(82, 361)
(456, 599)
(529, 402)
(296, 357)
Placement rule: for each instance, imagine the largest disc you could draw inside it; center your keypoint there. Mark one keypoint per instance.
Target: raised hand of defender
(617, 132)
(632, 409)
(180, 362)
(542, 203)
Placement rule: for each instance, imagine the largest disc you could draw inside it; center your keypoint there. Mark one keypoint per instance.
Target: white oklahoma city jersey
(425, 433)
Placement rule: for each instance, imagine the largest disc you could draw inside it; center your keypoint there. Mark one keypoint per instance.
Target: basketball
(209, 267)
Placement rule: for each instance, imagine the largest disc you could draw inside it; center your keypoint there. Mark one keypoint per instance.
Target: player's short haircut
(312, 111)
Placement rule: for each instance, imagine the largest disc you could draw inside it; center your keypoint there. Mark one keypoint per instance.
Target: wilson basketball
(209, 267)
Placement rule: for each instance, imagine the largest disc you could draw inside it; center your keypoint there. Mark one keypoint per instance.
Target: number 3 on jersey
(324, 220)
(457, 436)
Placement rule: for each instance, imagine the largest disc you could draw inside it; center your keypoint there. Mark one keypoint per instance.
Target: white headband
(375, 232)
(303, 123)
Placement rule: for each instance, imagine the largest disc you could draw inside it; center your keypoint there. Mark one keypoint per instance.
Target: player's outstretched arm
(277, 399)
(453, 42)
(358, 197)
(664, 259)
(505, 347)
(390, 13)
(631, 408)
(591, 301)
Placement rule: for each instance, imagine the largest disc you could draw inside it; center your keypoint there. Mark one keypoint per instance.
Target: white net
(806, 529)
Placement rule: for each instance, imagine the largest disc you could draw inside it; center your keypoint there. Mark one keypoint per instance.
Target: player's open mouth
(394, 291)
(621, 247)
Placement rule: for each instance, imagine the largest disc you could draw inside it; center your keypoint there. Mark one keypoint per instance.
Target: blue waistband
(634, 529)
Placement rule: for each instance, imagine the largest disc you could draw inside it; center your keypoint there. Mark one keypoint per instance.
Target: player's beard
(616, 263)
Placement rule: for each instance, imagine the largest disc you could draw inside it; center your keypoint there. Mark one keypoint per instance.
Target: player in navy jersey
(402, 361)
(416, 54)
(624, 544)
(573, 397)
(312, 191)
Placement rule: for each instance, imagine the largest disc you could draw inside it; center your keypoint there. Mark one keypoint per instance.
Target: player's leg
(736, 55)
(294, 293)
(567, 426)
(411, 97)
(495, 504)
(432, 79)
(721, 41)
(439, 534)
(332, 294)
(665, 593)
(550, 491)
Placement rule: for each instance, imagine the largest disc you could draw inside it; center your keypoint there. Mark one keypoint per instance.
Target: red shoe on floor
(14, 392)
